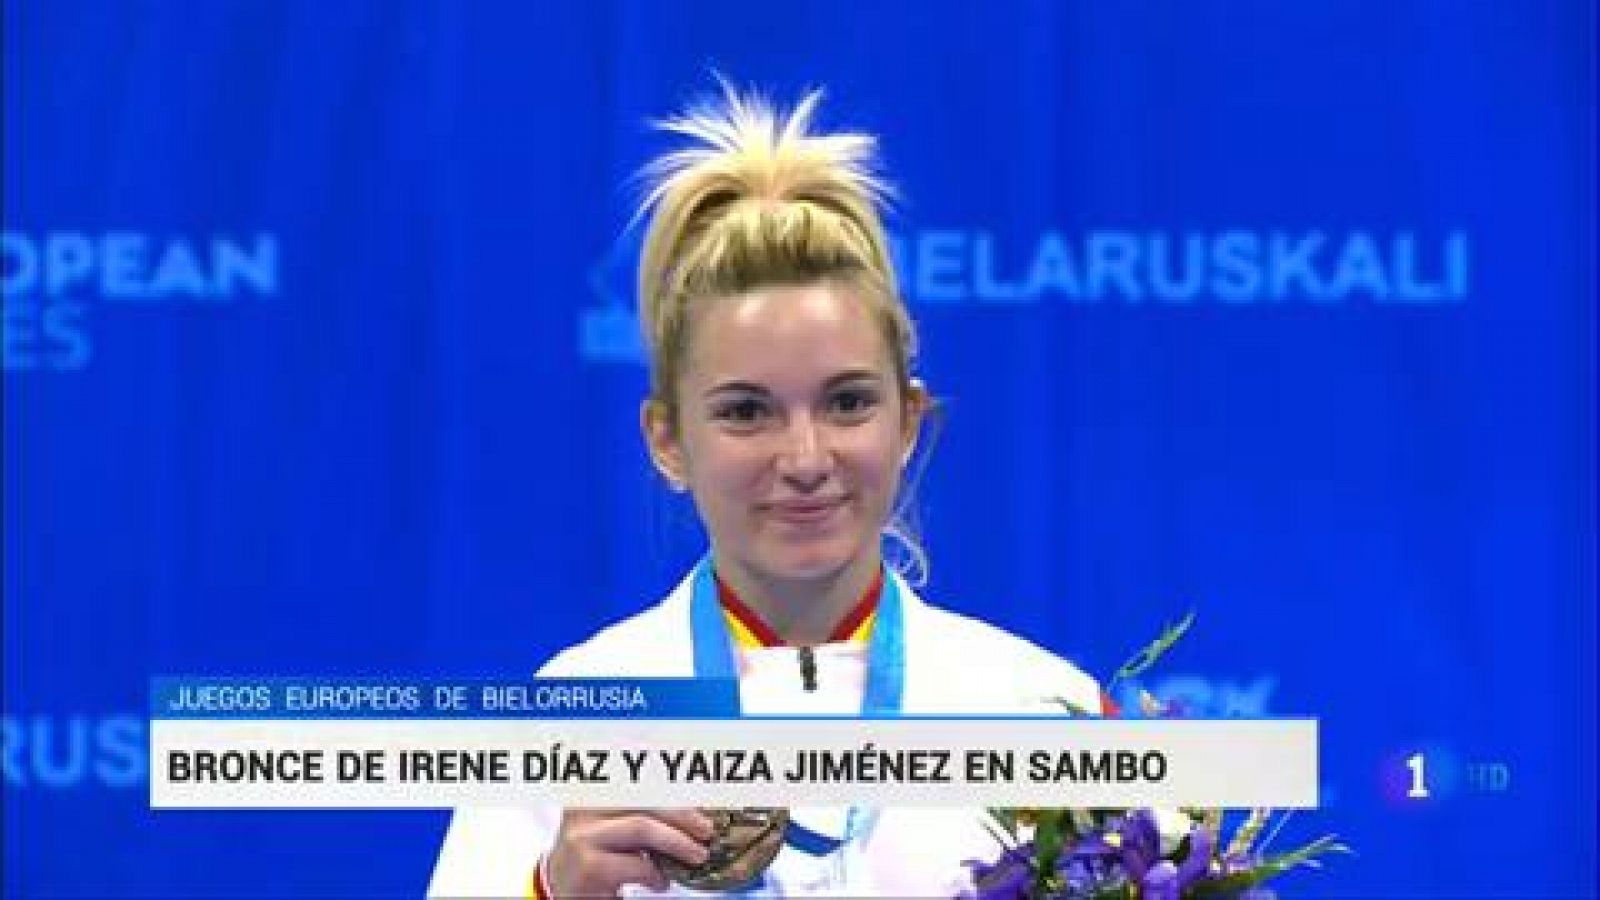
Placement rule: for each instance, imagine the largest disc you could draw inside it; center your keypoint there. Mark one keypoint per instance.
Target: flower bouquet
(1137, 854)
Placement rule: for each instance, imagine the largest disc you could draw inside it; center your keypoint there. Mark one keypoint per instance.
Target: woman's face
(791, 430)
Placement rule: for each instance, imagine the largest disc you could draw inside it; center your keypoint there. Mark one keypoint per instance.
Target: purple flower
(1141, 843)
(1090, 866)
(1007, 878)
(1127, 858)
(1201, 844)
(1158, 878)
(1160, 882)
(1077, 875)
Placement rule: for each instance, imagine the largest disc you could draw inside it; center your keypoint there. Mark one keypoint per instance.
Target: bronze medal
(743, 843)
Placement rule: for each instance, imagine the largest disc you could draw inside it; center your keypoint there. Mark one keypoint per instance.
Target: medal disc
(743, 843)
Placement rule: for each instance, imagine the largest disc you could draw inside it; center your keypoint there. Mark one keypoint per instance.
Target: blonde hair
(759, 199)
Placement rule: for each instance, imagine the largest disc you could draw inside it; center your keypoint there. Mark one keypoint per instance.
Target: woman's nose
(805, 453)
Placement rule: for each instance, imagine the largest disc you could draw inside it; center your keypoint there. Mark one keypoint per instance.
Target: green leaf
(1047, 844)
(1002, 826)
(1152, 652)
(1270, 868)
(1244, 837)
(1070, 707)
(1007, 817)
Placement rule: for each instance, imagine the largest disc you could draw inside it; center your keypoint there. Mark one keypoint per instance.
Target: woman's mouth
(810, 511)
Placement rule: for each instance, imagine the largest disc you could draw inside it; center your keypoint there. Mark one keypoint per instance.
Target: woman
(782, 399)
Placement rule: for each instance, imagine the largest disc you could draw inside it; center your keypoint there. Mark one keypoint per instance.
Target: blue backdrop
(319, 359)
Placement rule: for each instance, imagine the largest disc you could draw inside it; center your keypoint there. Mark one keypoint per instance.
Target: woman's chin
(813, 560)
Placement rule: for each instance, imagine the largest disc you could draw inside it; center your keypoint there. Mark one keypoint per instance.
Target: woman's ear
(918, 400)
(661, 440)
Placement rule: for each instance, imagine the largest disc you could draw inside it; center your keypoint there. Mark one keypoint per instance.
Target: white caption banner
(437, 763)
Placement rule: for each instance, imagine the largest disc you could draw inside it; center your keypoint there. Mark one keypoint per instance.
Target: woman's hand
(597, 851)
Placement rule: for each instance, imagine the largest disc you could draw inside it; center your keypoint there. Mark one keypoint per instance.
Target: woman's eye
(742, 412)
(854, 403)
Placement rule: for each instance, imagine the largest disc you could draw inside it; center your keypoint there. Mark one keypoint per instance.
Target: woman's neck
(802, 611)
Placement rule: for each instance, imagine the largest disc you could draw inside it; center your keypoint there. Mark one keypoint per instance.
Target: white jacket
(953, 664)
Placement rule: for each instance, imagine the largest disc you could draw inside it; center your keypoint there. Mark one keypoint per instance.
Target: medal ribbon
(885, 684)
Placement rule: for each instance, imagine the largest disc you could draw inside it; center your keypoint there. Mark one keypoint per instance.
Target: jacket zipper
(808, 668)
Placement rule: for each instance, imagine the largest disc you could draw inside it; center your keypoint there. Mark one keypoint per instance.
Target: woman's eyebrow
(736, 387)
(854, 375)
(749, 387)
